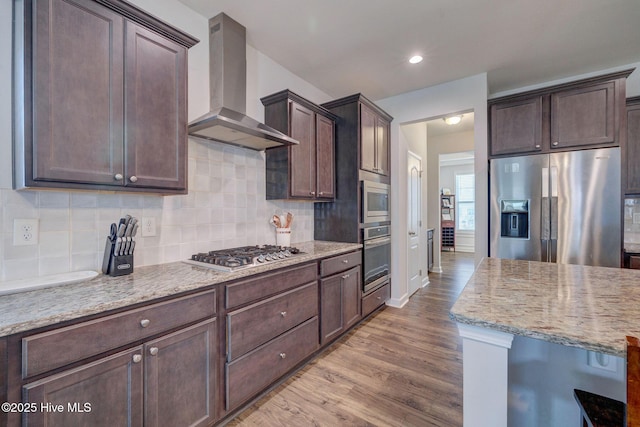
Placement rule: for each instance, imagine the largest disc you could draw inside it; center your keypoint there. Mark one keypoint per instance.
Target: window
(466, 190)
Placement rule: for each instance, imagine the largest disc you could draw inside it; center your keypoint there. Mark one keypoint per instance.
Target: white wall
(469, 94)
(226, 204)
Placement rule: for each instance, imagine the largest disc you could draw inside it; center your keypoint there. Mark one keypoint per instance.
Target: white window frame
(460, 199)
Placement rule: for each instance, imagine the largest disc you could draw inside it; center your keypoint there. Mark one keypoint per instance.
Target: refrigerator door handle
(553, 237)
(544, 209)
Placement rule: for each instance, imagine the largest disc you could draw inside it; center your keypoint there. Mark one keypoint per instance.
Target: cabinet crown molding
(564, 86)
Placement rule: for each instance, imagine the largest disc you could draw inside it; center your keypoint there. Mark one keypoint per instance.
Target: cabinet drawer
(375, 299)
(267, 285)
(53, 349)
(256, 324)
(340, 263)
(256, 370)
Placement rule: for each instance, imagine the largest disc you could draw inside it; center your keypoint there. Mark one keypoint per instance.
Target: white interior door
(414, 221)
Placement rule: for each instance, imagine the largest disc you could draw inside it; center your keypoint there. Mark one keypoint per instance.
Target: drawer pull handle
(137, 358)
(345, 261)
(153, 351)
(145, 322)
(346, 276)
(283, 355)
(283, 313)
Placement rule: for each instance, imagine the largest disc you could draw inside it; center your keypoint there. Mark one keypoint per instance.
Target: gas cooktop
(235, 259)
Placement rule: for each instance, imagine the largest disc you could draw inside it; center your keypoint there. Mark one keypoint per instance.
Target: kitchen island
(589, 308)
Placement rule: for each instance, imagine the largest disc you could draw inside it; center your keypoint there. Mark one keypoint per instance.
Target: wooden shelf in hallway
(400, 367)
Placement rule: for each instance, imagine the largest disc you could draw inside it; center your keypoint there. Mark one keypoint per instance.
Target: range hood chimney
(227, 120)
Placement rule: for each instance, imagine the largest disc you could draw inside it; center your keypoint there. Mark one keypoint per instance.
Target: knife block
(116, 265)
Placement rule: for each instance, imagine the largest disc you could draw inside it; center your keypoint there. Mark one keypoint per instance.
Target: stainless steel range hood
(227, 121)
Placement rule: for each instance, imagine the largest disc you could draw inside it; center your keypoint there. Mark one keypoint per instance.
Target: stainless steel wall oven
(376, 256)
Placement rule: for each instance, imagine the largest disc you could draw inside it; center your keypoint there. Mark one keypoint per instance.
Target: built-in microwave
(375, 202)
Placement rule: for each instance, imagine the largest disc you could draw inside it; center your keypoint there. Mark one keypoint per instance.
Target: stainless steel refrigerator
(559, 207)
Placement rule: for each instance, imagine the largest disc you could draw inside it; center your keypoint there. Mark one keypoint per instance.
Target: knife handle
(116, 248)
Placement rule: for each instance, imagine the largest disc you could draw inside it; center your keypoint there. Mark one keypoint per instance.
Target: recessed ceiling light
(415, 59)
(453, 120)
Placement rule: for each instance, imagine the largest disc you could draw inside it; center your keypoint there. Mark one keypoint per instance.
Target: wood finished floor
(401, 367)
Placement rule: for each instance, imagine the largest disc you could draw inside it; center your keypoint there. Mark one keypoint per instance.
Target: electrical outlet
(25, 232)
(148, 227)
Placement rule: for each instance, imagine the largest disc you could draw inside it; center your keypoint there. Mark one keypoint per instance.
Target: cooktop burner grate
(242, 257)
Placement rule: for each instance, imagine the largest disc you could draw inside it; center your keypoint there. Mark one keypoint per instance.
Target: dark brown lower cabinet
(375, 299)
(180, 377)
(112, 387)
(340, 296)
(168, 381)
(256, 370)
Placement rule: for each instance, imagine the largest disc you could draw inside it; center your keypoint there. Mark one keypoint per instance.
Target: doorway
(450, 164)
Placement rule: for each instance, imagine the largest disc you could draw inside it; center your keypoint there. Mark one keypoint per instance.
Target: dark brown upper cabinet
(631, 150)
(583, 114)
(101, 99)
(305, 171)
(517, 126)
(374, 141)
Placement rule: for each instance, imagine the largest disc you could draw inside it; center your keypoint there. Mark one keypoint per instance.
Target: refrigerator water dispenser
(514, 218)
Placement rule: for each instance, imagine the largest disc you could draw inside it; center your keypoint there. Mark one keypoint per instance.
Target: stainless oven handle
(378, 241)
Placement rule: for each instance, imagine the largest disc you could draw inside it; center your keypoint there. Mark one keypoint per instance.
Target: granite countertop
(632, 248)
(28, 310)
(593, 308)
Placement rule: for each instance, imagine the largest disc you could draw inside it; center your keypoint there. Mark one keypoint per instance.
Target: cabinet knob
(313, 193)
(537, 145)
(118, 177)
(283, 355)
(555, 143)
(283, 313)
(346, 276)
(133, 178)
(378, 297)
(137, 358)
(145, 322)
(321, 193)
(153, 351)
(345, 261)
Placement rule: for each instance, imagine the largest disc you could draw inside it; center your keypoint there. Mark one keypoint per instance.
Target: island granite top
(593, 308)
(29, 310)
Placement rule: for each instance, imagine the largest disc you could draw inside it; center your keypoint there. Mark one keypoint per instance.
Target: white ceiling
(348, 46)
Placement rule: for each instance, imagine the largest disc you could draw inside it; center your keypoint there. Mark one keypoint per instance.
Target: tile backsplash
(632, 221)
(225, 207)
